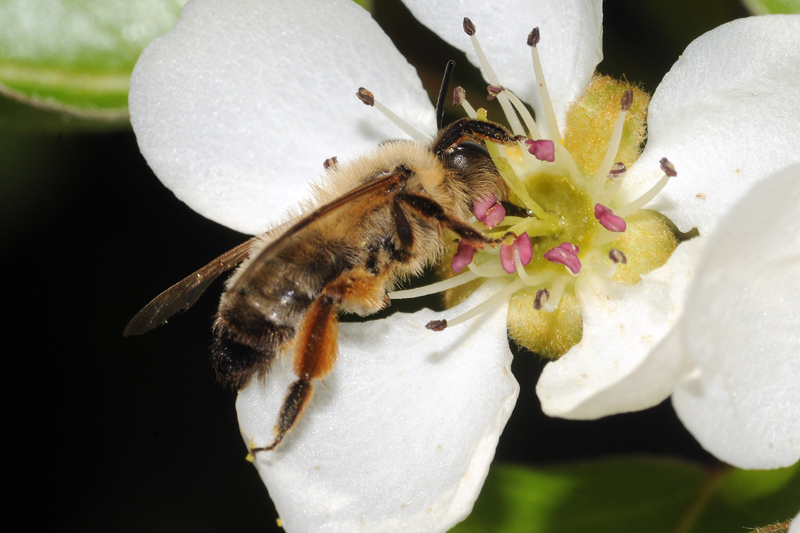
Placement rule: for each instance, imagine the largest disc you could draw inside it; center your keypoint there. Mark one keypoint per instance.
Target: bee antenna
(448, 73)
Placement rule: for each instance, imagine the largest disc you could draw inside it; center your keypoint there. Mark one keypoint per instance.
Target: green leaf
(77, 56)
(767, 7)
(632, 495)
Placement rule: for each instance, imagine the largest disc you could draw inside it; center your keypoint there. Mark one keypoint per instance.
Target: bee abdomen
(245, 344)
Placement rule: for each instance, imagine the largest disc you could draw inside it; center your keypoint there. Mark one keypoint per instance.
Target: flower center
(566, 219)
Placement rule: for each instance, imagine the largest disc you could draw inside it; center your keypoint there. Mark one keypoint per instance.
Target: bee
(378, 220)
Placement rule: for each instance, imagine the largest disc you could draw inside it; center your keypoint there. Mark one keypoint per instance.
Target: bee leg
(314, 355)
(430, 209)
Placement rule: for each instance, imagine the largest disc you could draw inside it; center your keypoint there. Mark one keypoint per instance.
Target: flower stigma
(564, 220)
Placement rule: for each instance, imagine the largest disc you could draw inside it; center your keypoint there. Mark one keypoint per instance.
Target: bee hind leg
(300, 393)
(314, 354)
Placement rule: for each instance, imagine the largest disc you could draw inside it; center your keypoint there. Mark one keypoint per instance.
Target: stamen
(330, 162)
(513, 121)
(544, 95)
(556, 292)
(531, 281)
(600, 264)
(668, 168)
(493, 91)
(617, 256)
(614, 183)
(436, 325)
(565, 254)
(489, 211)
(460, 99)
(613, 144)
(520, 246)
(542, 295)
(496, 299)
(462, 257)
(369, 99)
(608, 219)
(617, 170)
(487, 271)
(543, 149)
(434, 288)
(533, 129)
(515, 184)
(669, 172)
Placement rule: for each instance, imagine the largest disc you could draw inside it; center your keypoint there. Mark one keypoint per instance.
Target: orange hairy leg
(315, 353)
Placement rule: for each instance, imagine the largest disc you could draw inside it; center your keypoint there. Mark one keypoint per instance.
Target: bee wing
(185, 293)
(375, 189)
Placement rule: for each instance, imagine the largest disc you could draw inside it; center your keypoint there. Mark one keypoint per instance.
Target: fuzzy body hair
(352, 254)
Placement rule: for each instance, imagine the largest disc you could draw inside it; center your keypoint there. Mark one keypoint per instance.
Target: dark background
(106, 433)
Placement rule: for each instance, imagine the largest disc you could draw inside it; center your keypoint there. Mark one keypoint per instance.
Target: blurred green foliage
(76, 56)
(766, 7)
(632, 495)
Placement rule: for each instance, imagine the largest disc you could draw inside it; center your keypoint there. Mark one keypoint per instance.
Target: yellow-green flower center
(564, 219)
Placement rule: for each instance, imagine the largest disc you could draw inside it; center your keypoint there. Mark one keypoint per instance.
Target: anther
(668, 168)
(627, 100)
(369, 99)
(366, 96)
(520, 246)
(542, 149)
(494, 90)
(459, 94)
(469, 27)
(565, 254)
(617, 256)
(436, 325)
(330, 162)
(534, 37)
(617, 170)
(489, 211)
(542, 295)
(608, 219)
(462, 257)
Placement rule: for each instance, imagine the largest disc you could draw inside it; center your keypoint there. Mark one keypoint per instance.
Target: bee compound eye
(466, 154)
(471, 147)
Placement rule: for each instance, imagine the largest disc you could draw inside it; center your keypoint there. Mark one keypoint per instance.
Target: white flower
(235, 110)
(727, 115)
(238, 106)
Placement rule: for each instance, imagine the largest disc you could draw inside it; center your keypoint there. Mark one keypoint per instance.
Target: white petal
(727, 115)
(609, 372)
(742, 327)
(570, 49)
(795, 525)
(239, 105)
(401, 435)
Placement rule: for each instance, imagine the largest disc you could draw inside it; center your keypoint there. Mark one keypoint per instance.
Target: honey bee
(379, 219)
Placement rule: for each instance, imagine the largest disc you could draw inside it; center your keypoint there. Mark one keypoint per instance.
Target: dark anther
(494, 90)
(330, 162)
(668, 168)
(365, 96)
(617, 170)
(542, 295)
(617, 256)
(459, 94)
(533, 37)
(627, 100)
(436, 325)
(469, 27)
